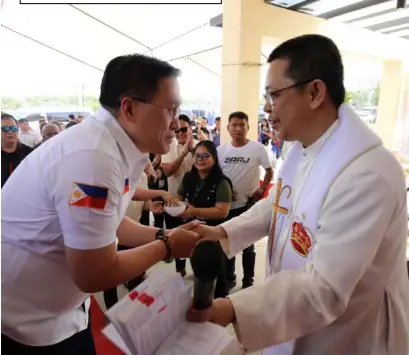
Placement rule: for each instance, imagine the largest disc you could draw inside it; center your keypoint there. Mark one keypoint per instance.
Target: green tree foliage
(12, 103)
(363, 98)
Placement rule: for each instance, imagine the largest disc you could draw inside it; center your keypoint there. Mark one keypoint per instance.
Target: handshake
(184, 238)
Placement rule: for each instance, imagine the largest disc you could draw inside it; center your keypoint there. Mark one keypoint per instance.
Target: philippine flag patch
(126, 186)
(89, 196)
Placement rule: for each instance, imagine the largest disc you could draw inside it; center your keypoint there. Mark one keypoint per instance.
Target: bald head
(49, 130)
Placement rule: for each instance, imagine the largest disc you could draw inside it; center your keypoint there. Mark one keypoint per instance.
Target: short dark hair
(71, 116)
(205, 131)
(239, 114)
(204, 118)
(184, 118)
(133, 75)
(312, 57)
(217, 119)
(7, 116)
(22, 120)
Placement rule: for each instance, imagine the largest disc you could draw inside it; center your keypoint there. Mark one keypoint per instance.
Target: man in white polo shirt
(63, 209)
(175, 164)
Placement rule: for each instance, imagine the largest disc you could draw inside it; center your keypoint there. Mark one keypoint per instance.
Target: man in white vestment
(336, 280)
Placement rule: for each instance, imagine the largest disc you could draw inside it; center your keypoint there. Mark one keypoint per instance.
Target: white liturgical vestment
(336, 273)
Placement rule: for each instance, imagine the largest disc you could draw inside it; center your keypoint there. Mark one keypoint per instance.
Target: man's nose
(267, 108)
(175, 125)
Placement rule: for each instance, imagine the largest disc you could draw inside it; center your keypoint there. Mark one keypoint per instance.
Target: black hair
(204, 118)
(266, 121)
(6, 116)
(313, 57)
(239, 114)
(205, 131)
(71, 116)
(23, 120)
(133, 75)
(217, 119)
(184, 118)
(215, 174)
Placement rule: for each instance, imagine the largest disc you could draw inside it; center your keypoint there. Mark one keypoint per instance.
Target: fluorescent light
(350, 16)
(382, 18)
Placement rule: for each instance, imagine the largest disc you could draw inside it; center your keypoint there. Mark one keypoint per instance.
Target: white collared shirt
(187, 163)
(42, 214)
(30, 138)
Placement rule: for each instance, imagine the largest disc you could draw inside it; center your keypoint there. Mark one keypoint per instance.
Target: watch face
(160, 233)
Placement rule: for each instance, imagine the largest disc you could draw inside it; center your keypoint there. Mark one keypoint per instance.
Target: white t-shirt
(175, 180)
(72, 191)
(30, 138)
(241, 166)
(135, 208)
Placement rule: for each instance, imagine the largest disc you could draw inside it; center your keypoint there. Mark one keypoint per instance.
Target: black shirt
(10, 161)
(70, 124)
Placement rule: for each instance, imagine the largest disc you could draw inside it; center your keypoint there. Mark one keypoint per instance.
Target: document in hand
(151, 321)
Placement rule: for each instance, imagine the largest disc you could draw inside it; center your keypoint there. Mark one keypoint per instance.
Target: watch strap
(160, 235)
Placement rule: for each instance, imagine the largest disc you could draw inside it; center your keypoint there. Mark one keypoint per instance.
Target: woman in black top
(208, 194)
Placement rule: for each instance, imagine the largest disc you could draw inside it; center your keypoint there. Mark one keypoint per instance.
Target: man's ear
(127, 109)
(317, 91)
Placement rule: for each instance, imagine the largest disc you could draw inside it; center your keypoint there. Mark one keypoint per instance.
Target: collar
(314, 149)
(132, 154)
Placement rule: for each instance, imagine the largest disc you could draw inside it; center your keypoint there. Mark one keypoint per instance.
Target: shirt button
(304, 154)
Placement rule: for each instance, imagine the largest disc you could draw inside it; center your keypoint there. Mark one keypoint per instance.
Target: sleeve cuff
(245, 325)
(230, 246)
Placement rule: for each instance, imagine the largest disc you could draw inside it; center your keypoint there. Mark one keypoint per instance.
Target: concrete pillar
(241, 69)
(390, 97)
(401, 137)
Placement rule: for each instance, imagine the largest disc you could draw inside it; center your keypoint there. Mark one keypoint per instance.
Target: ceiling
(376, 15)
(51, 48)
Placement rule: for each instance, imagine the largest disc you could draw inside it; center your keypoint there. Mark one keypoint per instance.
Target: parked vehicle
(55, 114)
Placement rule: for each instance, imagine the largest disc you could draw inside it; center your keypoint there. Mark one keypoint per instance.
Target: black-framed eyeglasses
(7, 129)
(175, 111)
(270, 96)
(203, 156)
(182, 130)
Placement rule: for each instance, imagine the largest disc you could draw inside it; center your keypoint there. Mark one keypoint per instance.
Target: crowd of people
(18, 138)
(75, 213)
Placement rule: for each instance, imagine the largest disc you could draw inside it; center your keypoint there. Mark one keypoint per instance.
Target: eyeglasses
(182, 130)
(7, 129)
(270, 96)
(175, 111)
(203, 156)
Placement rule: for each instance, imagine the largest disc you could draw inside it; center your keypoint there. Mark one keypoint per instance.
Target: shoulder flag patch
(89, 196)
(126, 186)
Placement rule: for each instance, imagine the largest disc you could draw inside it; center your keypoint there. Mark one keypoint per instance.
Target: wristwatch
(160, 235)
